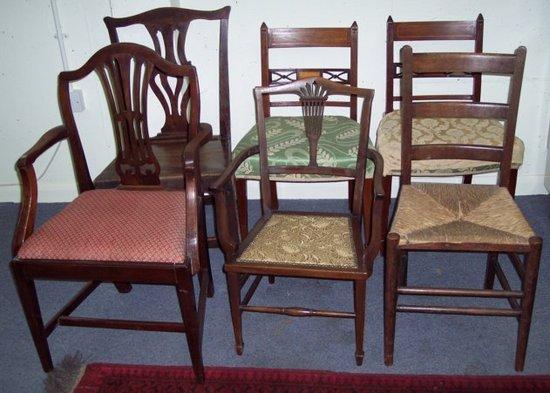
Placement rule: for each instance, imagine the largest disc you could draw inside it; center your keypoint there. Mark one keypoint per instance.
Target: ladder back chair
(168, 29)
(282, 130)
(461, 217)
(388, 140)
(326, 246)
(137, 233)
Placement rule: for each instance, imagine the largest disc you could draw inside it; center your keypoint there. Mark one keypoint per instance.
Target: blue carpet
(425, 344)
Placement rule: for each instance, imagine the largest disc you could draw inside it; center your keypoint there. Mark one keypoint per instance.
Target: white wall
(30, 62)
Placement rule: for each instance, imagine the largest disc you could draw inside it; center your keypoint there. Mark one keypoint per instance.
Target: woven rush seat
(114, 225)
(305, 240)
(288, 145)
(459, 213)
(443, 131)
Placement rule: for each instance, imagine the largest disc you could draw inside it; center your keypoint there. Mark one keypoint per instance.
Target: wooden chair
(136, 233)
(388, 140)
(280, 38)
(168, 30)
(461, 217)
(298, 244)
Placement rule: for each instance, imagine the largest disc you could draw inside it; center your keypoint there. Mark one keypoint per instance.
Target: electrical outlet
(77, 100)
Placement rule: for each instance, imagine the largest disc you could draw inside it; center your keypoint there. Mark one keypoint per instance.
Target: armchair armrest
(195, 224)
(373, 247)
(29, 186)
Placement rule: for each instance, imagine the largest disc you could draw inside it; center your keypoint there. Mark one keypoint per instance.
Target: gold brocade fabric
(303, 240)
(443, 131)
(459, 213)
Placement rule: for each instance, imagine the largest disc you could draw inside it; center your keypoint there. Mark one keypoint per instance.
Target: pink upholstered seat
(114, 225)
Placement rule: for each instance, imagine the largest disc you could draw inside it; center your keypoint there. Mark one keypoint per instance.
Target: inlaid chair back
(431, 31)
(168, 28)
(312, 37)
(127, 73)
(422, 64)
(313, 95)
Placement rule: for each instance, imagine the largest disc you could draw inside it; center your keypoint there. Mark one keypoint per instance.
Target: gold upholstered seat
(459, 213)
(304, 240)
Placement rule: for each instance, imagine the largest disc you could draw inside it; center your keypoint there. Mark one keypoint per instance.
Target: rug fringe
(65, 377)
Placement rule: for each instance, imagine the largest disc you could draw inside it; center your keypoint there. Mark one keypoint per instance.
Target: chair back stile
(127, 72)
(313, 94)
(431, 31)
(418, 64)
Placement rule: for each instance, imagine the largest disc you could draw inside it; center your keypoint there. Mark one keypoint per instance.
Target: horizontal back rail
(458, 62)
(440, 30)
(309, 37)
(456, 152)
(460, 109)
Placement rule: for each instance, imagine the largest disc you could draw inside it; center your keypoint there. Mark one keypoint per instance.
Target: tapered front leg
(359, 296)
(234, 290)
(390, 296)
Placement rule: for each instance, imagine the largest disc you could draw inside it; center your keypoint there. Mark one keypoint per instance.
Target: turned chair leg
(490, 271)
(242, 206)
(359, 297)
(529, 286)
(29, 300)
(234, 290)
(368, 190)
(385, 216)
(390, 296)
(403, 269)
(188, 308)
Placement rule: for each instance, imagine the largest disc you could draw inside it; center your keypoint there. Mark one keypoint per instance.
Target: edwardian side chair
(286, 139)
(168, 28)
(136, 233)
(326, 246)
(388, 140)
(461, 217)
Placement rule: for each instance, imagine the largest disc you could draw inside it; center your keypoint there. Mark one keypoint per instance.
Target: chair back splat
(127, 72)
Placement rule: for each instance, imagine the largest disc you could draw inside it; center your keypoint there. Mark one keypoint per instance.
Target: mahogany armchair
(328, 246)
(388, 141)
(137, 233)
(282, 132)
(461, 217)
(168, 28)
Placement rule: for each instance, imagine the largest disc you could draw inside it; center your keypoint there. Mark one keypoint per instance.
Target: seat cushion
(114, 225)
(444, 131)
(304, 240)
(288, 145)
(459, 213)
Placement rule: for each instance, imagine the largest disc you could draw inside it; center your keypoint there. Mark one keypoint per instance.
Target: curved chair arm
(373, 247)
(29, 186)
(226, 217)
(193, 195)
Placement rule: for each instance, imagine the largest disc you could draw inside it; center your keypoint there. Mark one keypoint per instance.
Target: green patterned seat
(288, 145)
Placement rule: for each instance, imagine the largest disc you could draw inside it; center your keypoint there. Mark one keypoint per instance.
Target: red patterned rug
(107, 378)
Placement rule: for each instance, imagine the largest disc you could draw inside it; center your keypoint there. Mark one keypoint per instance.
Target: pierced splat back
(127, 72)
(168, 28)
(313, 98)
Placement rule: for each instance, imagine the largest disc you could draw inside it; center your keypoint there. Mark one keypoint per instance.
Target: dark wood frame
(233, 245)
(311, 37)
(431, 31)
(397, 255)
(122, 273)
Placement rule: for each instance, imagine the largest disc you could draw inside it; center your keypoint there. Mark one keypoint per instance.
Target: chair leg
(205, 253)
(29, 300)
(390, 296)
(490, 272)
(274, 197)
(186, 298)
(529, 286)
(242, 206)
(403, 269)
(384, 220)
(513, 182)
(359, 296)
(368, 190)
(467, 179)
(351, 187)
(234, 290)
(123, 287)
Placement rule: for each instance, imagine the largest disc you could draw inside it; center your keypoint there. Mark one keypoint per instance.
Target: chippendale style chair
(388, 140)
(136, 233)
(168, 28)
(297, 244)
(282, 132)
(461, 217)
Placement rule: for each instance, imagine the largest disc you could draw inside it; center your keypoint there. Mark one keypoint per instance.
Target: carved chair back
(419, 64)
(127, 72)
(168, 30)
(313, 95)
(431, 31)
(273, 38)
